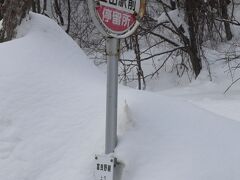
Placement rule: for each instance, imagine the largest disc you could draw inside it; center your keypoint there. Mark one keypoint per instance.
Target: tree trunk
(38, 6)
(34, 6)
(58, 12)
(44, 7)
(14, 11)
(193, 50)
(224, 10)
(1, 9)
(69, 16)
(173, 4)
(140, 74)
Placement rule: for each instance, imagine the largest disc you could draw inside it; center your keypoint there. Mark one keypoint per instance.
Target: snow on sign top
(116, 17)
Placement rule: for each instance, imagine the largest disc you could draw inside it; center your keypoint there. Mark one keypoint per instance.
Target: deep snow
(52, 115)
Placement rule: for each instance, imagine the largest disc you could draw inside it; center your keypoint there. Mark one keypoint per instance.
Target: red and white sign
(118, 16)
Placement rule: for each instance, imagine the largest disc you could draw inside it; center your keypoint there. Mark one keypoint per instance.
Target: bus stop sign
(117, 18)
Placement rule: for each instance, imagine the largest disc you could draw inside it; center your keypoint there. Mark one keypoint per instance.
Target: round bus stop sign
(117, 18)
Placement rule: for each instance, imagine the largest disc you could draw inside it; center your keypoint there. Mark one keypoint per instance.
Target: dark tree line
(202, 21)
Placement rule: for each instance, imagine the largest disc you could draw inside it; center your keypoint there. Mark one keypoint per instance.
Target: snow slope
(48, 112)
(52, 113)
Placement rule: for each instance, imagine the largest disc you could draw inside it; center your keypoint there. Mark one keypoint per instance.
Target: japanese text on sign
(116, 17)
(104, 167)
(127, 4)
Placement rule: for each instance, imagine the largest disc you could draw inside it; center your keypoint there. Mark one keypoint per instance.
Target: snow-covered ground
(52, 118)
(220, 96)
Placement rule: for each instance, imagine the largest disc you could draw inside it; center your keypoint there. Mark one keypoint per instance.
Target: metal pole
(113, 55)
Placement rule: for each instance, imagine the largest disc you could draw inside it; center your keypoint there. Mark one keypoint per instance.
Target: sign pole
(116, 20)
(113, 55)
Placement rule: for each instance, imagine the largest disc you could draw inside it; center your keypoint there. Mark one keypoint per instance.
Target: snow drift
(52, 115)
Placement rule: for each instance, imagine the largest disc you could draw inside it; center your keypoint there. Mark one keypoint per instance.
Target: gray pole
(113, 54)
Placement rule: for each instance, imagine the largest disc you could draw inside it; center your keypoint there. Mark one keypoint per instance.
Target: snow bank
(52, 114)
(48, 113)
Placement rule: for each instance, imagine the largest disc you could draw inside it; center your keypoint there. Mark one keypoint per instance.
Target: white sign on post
(104, 167)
